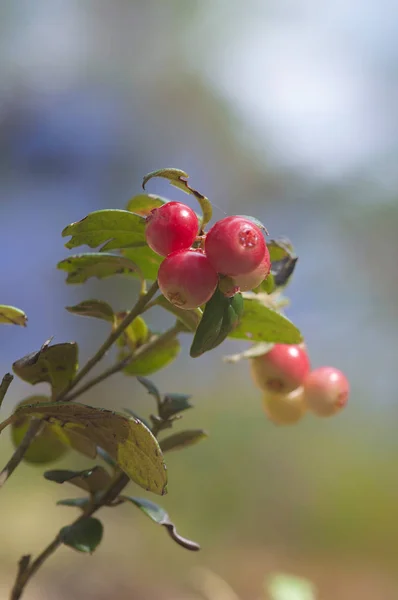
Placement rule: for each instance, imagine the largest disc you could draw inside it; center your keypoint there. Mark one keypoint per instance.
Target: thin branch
(4, 385)
(19, 453)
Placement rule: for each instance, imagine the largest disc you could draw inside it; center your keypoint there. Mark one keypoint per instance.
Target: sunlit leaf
(55, 365)
(262, 324)
(135, 335)
(190, 318)
(154, 359)
(179, 179)
(256, 350)
(126, 439)
(144, 203)
(93, 308)
(160, 516)
(84, 535)
(220, 317)
(172, 404)
(146, 259)
(113, 228)
(182, 439)
(46, 447)
(285, 587)
(280, 249)
(81, 267)
(91, 480)
(12, 316)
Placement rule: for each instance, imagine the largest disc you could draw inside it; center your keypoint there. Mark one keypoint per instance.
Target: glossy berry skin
(251, 280)
(171, 227)
(187, 279)
(235, 246)
(326, 391)
(283, 369)
(285, 409)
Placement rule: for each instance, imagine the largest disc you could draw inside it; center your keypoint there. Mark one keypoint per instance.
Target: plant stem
(110, 340)
(4, 385)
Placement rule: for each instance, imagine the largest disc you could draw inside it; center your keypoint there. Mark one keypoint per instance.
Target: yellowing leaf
(12, 316)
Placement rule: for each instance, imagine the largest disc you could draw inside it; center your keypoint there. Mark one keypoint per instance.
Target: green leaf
(284, 587)
(267, 286)
(77, 441)
(113, 228)
(256, 350)
(280, 249)
(127, 440)
(154, 359)
(160, 516)
(77, 502)
(81, 267)
(172, 404)
(12, 316)
(144, 203)
(93, 308)
(84, 535)
(182, 439)
(135, 335)
(190, 318)
(150, 387)
(46, 447)
(91, 480)
(132, 413)
(220, 317)
(179, 179)
(55, 365)
(283, 270)
(147, 261)
(262, 324)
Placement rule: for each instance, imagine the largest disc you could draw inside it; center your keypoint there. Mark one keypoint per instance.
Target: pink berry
(235, 246)
(251, 280)
(187, 279)
(326, 391)
(171, 227)
(285, 409)
(281, 370)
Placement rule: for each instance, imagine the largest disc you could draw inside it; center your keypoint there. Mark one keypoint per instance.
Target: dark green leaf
(77, 441)
(285, 587)
(160, 516)
(47, 446)
(182, 439)
(92, 480)
(179, 179)
(113, 228)
(154, 359)
(146, 259)
(283, 270)
(262, 324)
(93, 308)
(126, 440)
(220, 317)
(150, 387)
(173, 404)
(4, 385)
(77, 502)
(190, 318)
(84, 535)
(144, 203)
(12, 316)
(81, 267)
(55, 365)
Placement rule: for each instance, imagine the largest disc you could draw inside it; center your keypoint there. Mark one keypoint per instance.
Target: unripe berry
(171, 227)
(235, 246)
(187, 278)
(281, 370)
(285, 409)
(251, 280)
(326, 391)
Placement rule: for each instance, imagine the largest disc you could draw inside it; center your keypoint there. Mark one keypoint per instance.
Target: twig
(19, 453)
(4, 385)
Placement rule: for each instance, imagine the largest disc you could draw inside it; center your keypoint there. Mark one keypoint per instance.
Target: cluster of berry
(232, 251)
(290, 387)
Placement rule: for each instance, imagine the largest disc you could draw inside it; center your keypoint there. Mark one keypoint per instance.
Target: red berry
(187, 279)
(171, 227)
(285, 409)
(326, 391)
(281, 370)
(235, 246)
(251, 280)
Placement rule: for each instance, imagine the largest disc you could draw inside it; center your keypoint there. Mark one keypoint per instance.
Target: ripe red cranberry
(171, 227)
(285, 409)
(281, 370)
(187, 279)
(326, 391)
(235, 246)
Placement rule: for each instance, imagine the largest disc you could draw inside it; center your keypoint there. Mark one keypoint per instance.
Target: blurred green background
(284, 109)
